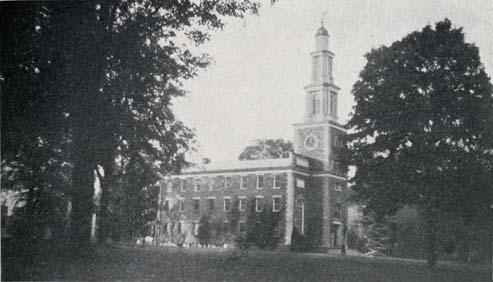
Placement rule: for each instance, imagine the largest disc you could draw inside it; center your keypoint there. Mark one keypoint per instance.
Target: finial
(323, 14)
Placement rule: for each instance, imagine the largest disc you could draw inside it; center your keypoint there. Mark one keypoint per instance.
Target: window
(211, 204)
(316, 67)
(338, 209)
(198, 184)
(166, 205)
(242, 202)
(196, 204)
(228, 182)
(300, 183)
(277, 230)
(315, 104)
(179, 228)
(277, 181)
(260, 181)
(337, 214)
(259, 204)
(325, 103)
(169, 186)
(242, 225)
(299, 216)
(183, 185)
(338, 187)
(212, 182)
(243, 182)
(181, 205)
(165, 228)
(333, 104)
(302, 161)
(227, 204)
(276, 203)
(195, 226)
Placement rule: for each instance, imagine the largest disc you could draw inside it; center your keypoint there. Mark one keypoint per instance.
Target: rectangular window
(191, 184)
(277, 230)
(337, 214)
(166, 205)
(183, 185)
(196, 204)
(277, 181)
(326, 103)
(211, 183)
(179, 228)
(316, 67)
(333, 104)
(198, 184)
(227, 204)
(276, 203)
(259, 204)
(169, 186)
(315, 104)
(300, 183)
(181, 205)
(243, 182)
(302, 162)
(260, 181)
(165, 228)
(338, 187)
(211, 204)
(242, 225)
(242, 202)
(228, 182)
(195, 227)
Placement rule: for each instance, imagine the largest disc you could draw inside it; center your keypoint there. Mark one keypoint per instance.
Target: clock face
(311, 142)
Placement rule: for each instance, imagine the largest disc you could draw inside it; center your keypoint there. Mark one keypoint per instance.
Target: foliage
(261, 227)
(87, 82)
(267, 149)
(420, 121)
(205, 231)
(134, 199)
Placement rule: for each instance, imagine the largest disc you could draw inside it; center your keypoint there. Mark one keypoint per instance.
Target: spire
(322, 31)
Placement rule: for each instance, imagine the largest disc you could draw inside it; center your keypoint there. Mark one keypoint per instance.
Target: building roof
(240, 165)
(322, 31)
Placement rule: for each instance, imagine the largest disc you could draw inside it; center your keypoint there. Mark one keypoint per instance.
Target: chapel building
(308, 190)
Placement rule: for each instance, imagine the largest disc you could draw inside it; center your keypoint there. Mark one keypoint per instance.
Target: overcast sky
(254, 89)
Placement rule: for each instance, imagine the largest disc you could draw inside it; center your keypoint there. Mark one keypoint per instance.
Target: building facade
(307, 190)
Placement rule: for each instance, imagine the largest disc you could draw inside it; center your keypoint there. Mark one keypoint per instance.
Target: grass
(123, 263)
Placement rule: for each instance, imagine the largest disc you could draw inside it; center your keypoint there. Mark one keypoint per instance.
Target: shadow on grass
(130, 263)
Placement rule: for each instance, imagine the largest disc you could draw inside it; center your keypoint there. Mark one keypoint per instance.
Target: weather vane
(323, 14)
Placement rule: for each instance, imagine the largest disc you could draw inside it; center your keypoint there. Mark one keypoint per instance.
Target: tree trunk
(431, 243)
(82, 193)
(106, 183)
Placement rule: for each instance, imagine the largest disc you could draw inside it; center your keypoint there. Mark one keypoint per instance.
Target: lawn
(123, 263)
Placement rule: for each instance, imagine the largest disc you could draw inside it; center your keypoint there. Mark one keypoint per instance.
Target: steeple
(322, 39)
(321, 93)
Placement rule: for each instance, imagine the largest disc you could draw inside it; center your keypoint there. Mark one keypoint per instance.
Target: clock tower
(317, 136)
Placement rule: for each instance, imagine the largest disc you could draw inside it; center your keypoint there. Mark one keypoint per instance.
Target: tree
(94, 80)
(420, 121)
(267, 149)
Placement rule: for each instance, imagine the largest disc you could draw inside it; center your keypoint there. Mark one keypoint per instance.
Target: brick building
(308, 189)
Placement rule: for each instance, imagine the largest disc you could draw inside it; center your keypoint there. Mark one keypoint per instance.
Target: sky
(254, 88)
